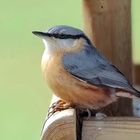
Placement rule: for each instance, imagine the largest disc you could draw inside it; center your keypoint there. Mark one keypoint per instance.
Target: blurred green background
(24, 97)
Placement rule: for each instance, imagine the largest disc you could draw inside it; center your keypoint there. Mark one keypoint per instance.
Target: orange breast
(71, 89)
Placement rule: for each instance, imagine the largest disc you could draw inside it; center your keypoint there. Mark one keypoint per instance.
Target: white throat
(49, 46)
(52, 44)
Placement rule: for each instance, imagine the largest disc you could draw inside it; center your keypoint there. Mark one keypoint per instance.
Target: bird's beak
(41, 34)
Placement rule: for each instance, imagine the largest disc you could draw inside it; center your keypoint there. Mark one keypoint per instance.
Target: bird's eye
(62, 36)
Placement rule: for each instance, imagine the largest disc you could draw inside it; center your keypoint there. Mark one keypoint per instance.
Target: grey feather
(89, 65)
(64, 29)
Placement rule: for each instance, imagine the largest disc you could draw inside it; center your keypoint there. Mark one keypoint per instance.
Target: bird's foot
(86, 113)
(58, 106)
(100, 116)
(89, 113)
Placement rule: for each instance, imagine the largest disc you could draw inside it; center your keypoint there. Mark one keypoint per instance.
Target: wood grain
(137, 74)
(60, 126)
(108, 24)
(111, 129)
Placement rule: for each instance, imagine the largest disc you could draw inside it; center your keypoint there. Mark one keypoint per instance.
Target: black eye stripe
(68, 36)
(62, 36)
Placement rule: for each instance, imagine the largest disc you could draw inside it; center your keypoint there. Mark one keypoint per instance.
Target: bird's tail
(134, 93)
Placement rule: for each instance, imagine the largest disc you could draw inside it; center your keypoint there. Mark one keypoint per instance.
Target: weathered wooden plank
(108, 24)
(60, 126)
(111, 129)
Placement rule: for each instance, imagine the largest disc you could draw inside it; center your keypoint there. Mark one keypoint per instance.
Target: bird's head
(62, 37)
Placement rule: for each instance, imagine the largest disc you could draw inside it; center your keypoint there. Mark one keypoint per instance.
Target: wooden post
(108, 25)
(137, 74)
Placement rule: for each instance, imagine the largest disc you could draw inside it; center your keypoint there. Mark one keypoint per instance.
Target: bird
(78, 73)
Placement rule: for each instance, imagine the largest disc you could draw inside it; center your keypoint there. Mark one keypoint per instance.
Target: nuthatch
(78, 73)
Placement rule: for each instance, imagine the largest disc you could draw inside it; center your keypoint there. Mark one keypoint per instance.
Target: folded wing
(90, 66)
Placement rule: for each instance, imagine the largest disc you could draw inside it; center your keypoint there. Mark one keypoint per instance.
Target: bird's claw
(57, 106)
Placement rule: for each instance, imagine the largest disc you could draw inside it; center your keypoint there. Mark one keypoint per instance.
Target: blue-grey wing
(89, 65)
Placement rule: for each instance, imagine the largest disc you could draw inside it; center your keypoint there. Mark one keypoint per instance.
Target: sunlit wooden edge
(60, 125)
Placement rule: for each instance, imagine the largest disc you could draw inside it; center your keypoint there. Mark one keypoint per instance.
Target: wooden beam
(60, 126)
(111, 129)
(108, 25)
